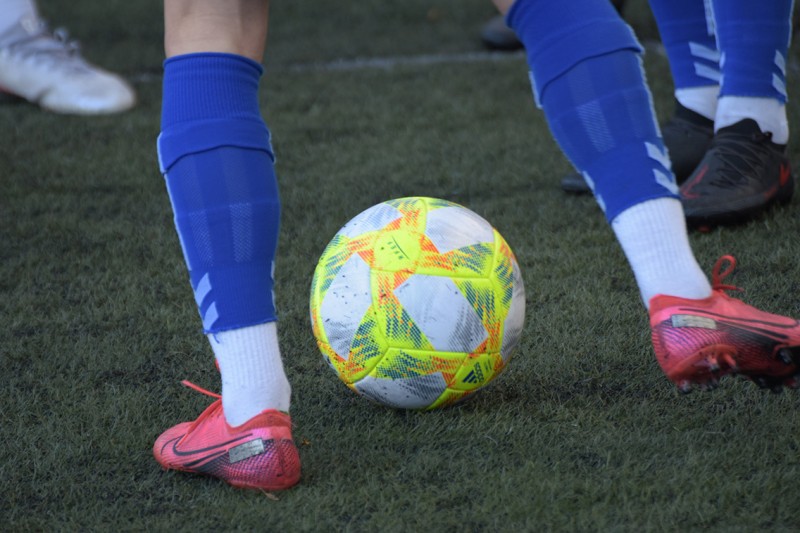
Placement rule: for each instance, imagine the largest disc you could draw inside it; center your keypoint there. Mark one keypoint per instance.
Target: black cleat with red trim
(742, 174)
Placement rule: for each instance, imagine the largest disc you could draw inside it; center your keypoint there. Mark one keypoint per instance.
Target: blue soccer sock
(754, 40)
(589, 81)
(215, 153)
(687, 32)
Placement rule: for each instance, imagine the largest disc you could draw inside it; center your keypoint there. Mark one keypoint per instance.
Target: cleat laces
(741, 157)
(39, 44)
(200, 389)
(718, 274)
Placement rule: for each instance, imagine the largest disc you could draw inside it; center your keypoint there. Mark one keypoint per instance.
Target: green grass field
(582, 433)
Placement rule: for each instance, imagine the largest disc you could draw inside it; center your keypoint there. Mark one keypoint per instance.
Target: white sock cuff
(701, 100)
(769, 113)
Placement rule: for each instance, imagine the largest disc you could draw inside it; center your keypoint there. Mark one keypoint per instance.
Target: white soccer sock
(654, 238)
(769, 113)
(253, 378)
(701, 100)
(14, 10)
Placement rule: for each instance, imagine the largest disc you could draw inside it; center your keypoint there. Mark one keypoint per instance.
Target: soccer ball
(417, 303)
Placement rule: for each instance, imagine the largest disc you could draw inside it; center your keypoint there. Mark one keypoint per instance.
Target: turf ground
(582, 433)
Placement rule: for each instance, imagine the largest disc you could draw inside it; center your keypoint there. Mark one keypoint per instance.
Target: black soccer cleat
(687, 136)
(741, 175)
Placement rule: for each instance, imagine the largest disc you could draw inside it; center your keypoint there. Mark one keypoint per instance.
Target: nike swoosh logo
(217, 447)
(204, 459)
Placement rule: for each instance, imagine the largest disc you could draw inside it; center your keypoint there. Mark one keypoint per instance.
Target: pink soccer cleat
(699, 341)
(259, 454)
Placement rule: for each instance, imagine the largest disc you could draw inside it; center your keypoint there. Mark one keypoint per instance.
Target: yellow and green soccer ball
(417, 303)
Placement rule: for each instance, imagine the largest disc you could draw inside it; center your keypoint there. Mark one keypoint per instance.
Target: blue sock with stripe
(588, 79)
(687, 32)
(754, 40)
(215, 153)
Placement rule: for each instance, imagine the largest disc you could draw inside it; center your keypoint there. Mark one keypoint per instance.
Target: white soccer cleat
(46, 68)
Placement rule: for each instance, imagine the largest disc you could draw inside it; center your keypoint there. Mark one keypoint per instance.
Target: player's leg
(599, 109)
(687, 32)
(215, 152)
(745, 169)
(47, 68)
(754, 39)
(588, 79)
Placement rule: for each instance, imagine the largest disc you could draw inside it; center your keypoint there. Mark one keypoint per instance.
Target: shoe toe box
(95, 93)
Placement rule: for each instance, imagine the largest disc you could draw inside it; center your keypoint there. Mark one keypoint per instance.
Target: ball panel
(413, 209)
(367, 350)
(334, 257)
(372, 219)
(473, 261)
(477, 371)
(396, 325)
(333, 360)
(403, 363)
(396, 250)
(480, 294)
(510, 288)
(440, 310)
(408, 393)
(453, 227)
(503, 273)
(345, 303)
